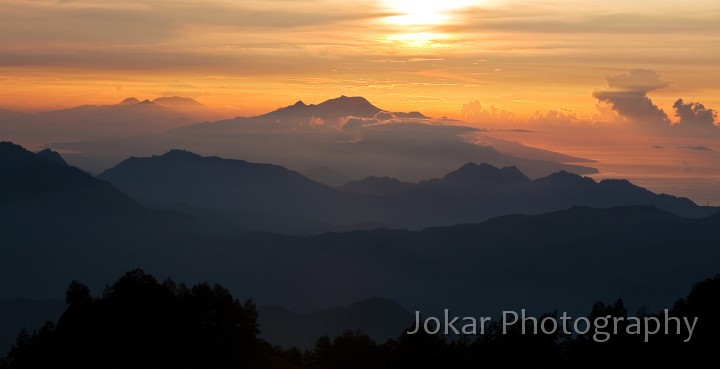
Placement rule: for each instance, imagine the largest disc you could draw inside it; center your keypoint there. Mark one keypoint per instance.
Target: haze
(631, 85)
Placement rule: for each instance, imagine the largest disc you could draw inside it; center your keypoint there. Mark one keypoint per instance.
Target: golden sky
(247, 57)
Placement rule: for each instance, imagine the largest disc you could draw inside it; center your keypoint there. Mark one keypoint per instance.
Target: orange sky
(245, 58)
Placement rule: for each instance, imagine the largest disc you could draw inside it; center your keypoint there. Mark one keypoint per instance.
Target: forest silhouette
(139, 322)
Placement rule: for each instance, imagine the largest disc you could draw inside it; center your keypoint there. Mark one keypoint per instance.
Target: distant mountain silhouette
(349, 134)
(473, 175)
(477, 192)
(376, 186)
(330, 110)
(130, 117)
(381, 319)
(327, 176)
(235, 189)
(129, 101)
(412, 115)
(52, 155)
(189, 107)
(8, 114)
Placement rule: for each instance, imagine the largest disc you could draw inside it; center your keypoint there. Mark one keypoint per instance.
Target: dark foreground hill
(18, 314)
(380, 319)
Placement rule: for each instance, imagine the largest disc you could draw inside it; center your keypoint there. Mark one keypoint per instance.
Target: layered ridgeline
(52, 155)
(349, 135)
(248, 193)
(258, 196)
(131, 117)
(60, 224)
(58, 221)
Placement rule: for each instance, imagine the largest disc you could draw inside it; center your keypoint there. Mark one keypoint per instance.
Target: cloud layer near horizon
(252, 56)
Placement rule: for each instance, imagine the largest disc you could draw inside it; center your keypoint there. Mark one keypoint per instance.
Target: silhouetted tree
(141, 323)
(351, 350)
(77, 293)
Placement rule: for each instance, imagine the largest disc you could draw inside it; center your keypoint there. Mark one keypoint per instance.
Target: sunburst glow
(418, 13)
(419, 39)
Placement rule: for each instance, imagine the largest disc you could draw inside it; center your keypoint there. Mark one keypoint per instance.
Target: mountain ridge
(129, 117)
(346, 133)
(472, 193)
(52, 155)
(557, 260)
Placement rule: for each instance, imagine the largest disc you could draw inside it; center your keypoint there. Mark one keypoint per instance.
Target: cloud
(627, 95)
(476, 113)
(384, 115)
(179, 88)
(696, 148)
(315, 122)
(563, 117)
(535, 18)
(411, 60)
(694, 113)
(353, 123)
(387, 120)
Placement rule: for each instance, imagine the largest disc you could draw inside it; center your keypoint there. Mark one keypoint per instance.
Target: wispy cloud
(537, 46)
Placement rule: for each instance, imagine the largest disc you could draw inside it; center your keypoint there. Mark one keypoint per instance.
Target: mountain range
(236, 189)
(399, 211)
(190, 107)
(60, 224)
(376, 186)
(56, 220)
(349, 135)
(130, 117)
(6, 114)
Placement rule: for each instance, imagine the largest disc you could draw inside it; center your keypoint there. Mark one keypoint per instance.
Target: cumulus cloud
(563, 116)
(315, 122)
(692, 113)
(475, 112)
(627, 95)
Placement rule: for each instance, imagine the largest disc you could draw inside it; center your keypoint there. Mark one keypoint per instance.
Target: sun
(415, 22)
(423, 12)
